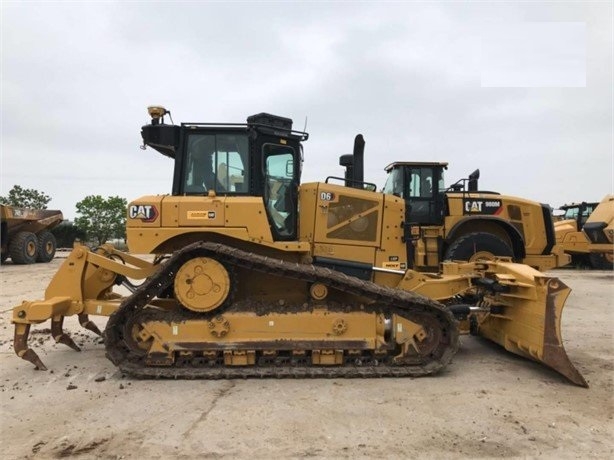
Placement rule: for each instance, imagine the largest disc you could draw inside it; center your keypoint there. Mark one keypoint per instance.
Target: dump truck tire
(46, 246)
(600, 262)
(478, 245)
(23, 248)
(5, 255)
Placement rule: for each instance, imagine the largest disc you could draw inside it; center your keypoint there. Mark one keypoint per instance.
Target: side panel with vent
(346, 215)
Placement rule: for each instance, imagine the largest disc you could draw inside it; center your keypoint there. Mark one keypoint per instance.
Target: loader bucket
(529, 324)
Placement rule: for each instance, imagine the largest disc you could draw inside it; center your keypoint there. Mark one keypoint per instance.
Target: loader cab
(421, 185)
(261, 158)
(578, 212)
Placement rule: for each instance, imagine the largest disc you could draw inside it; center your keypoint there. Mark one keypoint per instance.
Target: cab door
(421, 193)
(280, 192)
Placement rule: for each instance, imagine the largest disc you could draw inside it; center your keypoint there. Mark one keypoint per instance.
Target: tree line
(98, 219)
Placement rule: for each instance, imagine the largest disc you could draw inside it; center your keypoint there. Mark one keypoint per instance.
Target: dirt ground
(487, 403)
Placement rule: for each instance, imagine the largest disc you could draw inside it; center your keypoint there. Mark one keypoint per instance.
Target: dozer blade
(529, 323)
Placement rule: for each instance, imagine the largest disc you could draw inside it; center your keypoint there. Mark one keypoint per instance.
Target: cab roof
(577, 205)
(397, 164)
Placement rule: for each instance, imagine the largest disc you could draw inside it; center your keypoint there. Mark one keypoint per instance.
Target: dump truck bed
(34, 220)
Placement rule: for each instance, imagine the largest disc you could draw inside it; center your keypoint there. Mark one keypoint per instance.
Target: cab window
(216, 162)
(394, 183)
(571, 213)
(421, 183)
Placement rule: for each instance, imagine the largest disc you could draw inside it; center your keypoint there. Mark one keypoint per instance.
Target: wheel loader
(26, 236)
(258, 275)
(586, 233)
(462, 222)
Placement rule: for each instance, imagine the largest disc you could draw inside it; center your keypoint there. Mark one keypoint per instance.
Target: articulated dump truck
(26, 238)
(257, 275)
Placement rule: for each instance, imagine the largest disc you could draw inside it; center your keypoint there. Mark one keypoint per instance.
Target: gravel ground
(487, 403)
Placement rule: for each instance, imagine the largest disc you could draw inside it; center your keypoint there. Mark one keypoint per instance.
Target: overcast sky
(522, 91)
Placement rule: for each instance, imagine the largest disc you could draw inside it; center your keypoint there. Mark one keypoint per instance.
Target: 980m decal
(473, 206)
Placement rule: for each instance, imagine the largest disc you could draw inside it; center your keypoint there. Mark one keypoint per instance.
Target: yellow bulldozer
(586, 233)
(258, 275)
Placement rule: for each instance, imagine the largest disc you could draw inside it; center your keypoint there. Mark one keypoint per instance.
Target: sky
(520, 90)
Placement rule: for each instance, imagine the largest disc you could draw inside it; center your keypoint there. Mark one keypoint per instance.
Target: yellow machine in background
(26, 238)
(259, 275)
(462, 222)
(586, 232)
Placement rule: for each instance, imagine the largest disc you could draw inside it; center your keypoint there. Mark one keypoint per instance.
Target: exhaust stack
(354, 164)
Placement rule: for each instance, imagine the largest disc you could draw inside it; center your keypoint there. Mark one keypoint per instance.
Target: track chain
(385, 299)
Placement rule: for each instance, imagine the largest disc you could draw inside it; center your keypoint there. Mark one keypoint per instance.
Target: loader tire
(23, 248)
(46, 246)
(601, 261)
(478, 245)
(5, 255)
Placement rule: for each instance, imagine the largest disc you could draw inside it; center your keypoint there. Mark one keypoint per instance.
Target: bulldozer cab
(260, 158)
(421, 185)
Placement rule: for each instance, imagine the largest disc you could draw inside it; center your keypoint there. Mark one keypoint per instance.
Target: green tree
(66, 233)
(26, 198)
(101, 218)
